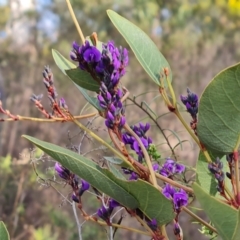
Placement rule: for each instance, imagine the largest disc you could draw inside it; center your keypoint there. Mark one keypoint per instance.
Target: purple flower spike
(153, 224)
(85, 186)
(62, 171)
(191, 103)
(180, 199)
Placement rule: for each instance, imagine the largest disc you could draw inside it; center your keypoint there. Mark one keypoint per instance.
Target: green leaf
(80, 77)
(143, 47)
(219, 111)
(113, 160)
(87, 170)
(224, 217)
(151, 201)
(237, 230)
(132, 194)
(83, 79)
(64, 65)
(92, 100)
(4, 235)
(116, 172)
(62, 62)
(204, 178)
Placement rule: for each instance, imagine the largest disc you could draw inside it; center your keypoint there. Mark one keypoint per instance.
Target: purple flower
(153, 224)
(62, 171)
(133, 176)
(179, 168)
(156, 167)
(108, 67)
(191, 103)
(92, 55)
(103, 213)
(62, 103)
(113, 204)
(85, 186)
(176, 229)
(216, 169)
(122, 122)
(140, 131)
(168, 191)
(180, 199)
(170, 167)
(75, 198)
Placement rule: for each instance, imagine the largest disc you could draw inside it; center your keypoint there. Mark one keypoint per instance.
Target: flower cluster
(105, 212)
(73, 181)
(169, 168)
(107, 67)
(140, 130)
(179, 197)
(191, 103)
(216, 169)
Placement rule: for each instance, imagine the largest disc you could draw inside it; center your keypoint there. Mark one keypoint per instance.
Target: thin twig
(75, 21)
(199, 219)
(77, 220)
(52, 120)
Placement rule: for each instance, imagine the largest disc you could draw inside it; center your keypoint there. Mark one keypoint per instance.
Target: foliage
(130, 184)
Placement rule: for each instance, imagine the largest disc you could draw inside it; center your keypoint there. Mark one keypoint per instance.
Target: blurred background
(198, 38)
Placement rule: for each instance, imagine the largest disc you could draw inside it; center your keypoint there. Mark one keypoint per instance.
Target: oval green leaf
(87, 170)
(219, 111)
(143, 47)
(204, 178)
(83, 79)
(224, 217)
(4, 235)
(132, 194)
(62, 62)
(151, 201)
